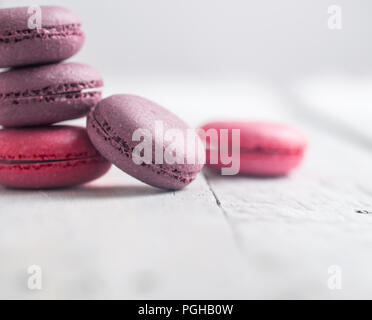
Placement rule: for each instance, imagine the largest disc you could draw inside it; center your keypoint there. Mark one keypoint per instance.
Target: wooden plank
(117, 238)
(291, 230)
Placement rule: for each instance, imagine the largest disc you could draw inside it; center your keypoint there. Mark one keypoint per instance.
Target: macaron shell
(13, 19)
(42, 112)
(52, 175)
(47, 94)
(45, 143)
(37, 51)
(111, 126)
(59, 38)
(265, 135)
(48, 157)
(258, 164)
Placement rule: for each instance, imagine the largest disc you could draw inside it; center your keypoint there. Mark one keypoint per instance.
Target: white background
(277, 39)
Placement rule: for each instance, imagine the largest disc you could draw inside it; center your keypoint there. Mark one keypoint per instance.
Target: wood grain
(222, 237)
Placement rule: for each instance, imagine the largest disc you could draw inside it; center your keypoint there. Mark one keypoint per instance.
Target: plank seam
(235, 234)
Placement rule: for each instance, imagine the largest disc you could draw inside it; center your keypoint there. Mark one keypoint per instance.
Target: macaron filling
(262, 150)
(269, 151)
(13, 162)
(105, 131)
(37, 162)
(46, 32)
(74, 90)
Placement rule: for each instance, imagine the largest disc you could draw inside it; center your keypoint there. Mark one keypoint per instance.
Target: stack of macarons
(40, 90)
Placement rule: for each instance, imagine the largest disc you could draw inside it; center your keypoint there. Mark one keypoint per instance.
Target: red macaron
(48, 157)
(265, 149)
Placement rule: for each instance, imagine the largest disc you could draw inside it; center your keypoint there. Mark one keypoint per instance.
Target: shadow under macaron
(86, 192)
(214, 174)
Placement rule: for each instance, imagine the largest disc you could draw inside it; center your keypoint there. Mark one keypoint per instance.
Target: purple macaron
(47, 94)
(120, 123)
(35, 35)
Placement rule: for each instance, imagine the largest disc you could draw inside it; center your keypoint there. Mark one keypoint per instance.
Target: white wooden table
(222, 237)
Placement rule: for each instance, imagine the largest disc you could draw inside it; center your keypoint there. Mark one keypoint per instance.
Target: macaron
(47, 94)
(38, 35)
(48, 157)
(112, 127)
(266, 149)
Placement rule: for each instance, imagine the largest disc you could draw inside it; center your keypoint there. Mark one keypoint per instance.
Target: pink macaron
(48, 157)
(37, 35)
(266, 149)
(48, 94)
